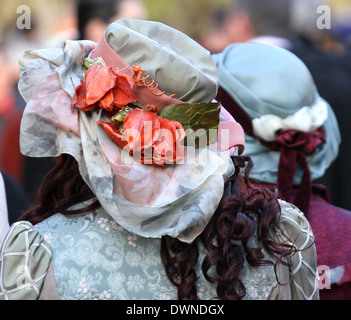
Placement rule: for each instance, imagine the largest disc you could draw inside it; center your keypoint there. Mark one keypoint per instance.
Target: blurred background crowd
(214, 24)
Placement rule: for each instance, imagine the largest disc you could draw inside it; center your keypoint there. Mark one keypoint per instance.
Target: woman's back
(89, 256)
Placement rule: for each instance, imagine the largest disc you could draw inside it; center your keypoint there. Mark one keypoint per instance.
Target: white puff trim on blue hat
(307, 119)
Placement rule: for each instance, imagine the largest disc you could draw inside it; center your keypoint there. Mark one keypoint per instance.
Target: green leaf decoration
(197, 120)
(88, 63)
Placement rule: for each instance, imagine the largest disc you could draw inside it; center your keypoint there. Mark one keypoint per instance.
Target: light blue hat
(267, 80)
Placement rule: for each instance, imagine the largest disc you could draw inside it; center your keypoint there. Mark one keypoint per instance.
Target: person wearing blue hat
(292, 135)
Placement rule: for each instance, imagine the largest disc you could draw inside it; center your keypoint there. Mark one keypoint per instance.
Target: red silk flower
(149, 138)
(105, 88)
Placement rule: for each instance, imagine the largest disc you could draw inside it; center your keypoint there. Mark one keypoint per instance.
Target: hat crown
(176, 62)
(268, 79)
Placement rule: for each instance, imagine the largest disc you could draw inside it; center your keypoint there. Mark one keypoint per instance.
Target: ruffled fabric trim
(307, 119)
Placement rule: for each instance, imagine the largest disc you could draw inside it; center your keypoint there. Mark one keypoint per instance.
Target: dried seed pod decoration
(120, 116)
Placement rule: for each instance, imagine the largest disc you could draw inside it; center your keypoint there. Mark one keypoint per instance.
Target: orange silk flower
(149, 138)
(105, 88)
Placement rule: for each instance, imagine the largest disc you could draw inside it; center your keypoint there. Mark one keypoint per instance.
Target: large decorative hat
(290, 131)
(137, 113)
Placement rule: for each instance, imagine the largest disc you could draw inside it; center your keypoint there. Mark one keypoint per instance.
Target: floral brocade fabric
(95, 258)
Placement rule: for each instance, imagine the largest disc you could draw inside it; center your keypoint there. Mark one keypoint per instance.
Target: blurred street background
(53, 21)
